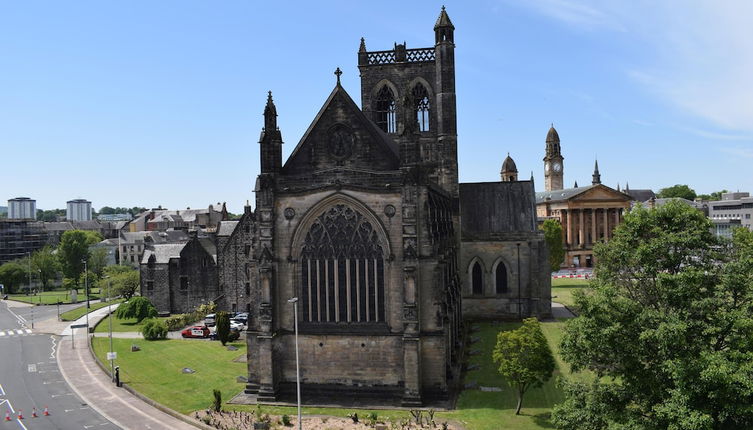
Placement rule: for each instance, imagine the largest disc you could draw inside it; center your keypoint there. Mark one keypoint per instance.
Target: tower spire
(270, 114)
(271, 139)
(596, 176)
(443, 29)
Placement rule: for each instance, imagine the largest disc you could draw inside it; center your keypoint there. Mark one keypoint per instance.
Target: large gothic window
(423, 106)
(342, 269)
(500, 278)
(477, 279)
(385, 110)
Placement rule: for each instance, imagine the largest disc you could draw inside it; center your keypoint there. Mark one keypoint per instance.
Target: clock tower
(553, 175)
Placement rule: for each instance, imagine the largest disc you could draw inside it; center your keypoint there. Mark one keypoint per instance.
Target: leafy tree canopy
(524, 358)
(46, 265)
(682, 191)
(667, 328)
(138, 308)
(716, 195)
(124, 284)
(12, 276)
(553, 238)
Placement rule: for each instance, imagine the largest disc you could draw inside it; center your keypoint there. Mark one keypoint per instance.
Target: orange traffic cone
(20, 414)
(7, 415)
(34, 412)
(46, 412)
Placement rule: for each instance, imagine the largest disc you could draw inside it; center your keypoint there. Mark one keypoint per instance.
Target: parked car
(232, 337)
(237, 325)
(196, 331)
(242, 318)
(209, 320)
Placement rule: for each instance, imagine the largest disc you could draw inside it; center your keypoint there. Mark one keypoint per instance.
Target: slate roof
(640, 195)
(169, 236)
(163, 252)
(227, 228)
(497, 207)
(559, 195)
(58, 226)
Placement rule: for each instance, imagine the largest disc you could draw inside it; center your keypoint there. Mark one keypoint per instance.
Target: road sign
(112, 355)
(78, 325)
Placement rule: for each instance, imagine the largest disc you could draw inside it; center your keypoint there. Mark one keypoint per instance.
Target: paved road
(30, 377)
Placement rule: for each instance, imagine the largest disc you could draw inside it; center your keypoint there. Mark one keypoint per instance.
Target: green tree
(524, 358)
(72, 252)
(154, 329)
(679, 190)
(46, 265)
(553, 237)
(12, 276)
(716, 195)
(98, 261)
(124, 284)
(667, 328)
(138, 308)
(222, 321)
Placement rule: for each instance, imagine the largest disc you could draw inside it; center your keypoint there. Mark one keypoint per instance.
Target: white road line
(32, 368)
(52, 354)
(21, 424)
(28, 331)
(19, 331)
(2, 392)
(2, 333)
(9, 405)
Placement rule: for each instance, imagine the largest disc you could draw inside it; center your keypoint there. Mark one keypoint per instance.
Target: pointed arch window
(477, 279)
(342, 270)
(385, 110)
(423, 106)
(500, 278)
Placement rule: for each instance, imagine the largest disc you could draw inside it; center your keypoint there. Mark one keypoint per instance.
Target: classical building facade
(588, 214)
(362, 225)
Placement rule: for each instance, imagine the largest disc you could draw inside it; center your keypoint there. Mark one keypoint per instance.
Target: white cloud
(699, 54)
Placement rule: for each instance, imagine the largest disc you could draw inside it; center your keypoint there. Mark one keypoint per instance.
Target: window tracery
(385, 110)
(342, 269)
(422, 107)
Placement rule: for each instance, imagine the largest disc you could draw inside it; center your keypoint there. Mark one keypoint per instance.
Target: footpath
(81, 371)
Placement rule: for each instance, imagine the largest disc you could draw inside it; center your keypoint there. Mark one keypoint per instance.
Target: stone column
(568, 227)
(616, 217)
(593, 226)
(581, 229)
(605, 224)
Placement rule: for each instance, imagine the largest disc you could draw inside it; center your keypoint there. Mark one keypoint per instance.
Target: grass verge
(564, 288)
(51, 297)
(74, 314)
(120, 325)
(155, 371)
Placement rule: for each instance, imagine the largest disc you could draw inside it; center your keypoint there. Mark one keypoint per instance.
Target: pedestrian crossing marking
(15, 332)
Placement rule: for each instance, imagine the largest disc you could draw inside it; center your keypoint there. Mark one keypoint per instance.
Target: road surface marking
(32, 368)
(19, 331)
(2, 392)
(27, 331)
(52, 354)
(21, 424)
(2, 333)
(9, 405)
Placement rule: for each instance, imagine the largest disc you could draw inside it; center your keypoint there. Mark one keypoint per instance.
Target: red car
(196, 331)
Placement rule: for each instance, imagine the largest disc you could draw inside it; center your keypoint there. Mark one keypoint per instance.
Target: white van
(209, 320)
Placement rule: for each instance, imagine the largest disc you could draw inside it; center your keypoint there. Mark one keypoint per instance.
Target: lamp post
(86, 291)
(294, 301)
(28, 290)
(109, 317)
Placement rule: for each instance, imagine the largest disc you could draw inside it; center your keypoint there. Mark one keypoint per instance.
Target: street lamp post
(109, 317)
(294, 301)
(86, 291)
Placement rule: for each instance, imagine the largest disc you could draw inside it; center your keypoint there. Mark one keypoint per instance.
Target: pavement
(561, 311)
(30, 379)
(80, 370)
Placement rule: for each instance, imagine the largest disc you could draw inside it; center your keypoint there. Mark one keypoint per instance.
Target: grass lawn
(51, 297)
(563, 289)
(77, 313)
(119, 325)
(155, 372)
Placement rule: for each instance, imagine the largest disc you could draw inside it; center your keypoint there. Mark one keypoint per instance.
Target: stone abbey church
(367, 225)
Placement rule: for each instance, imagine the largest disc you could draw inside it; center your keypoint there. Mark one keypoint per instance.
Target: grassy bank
(564, 288)
(155, 371)
(120, 325)
(77, 313)
(53, 297)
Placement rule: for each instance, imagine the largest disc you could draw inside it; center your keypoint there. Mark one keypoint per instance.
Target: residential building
(78, 210)
(19, 237)
(132, 244)
(22, 208)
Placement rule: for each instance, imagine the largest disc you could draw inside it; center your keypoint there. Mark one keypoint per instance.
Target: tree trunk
(520, 402)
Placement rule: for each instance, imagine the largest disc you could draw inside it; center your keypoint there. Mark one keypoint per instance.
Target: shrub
(154, 330)
(286, 421)
(139, 308)
(223, 327)
(217, 404)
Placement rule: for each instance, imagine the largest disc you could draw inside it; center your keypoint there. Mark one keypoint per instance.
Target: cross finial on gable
(338, 72)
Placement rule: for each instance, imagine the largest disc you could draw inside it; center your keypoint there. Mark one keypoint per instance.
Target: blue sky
(148, 103)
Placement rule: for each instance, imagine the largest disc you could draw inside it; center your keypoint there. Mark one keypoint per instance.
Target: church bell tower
(553, 167)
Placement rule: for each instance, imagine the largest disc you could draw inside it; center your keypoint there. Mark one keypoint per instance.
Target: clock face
(557, 166)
